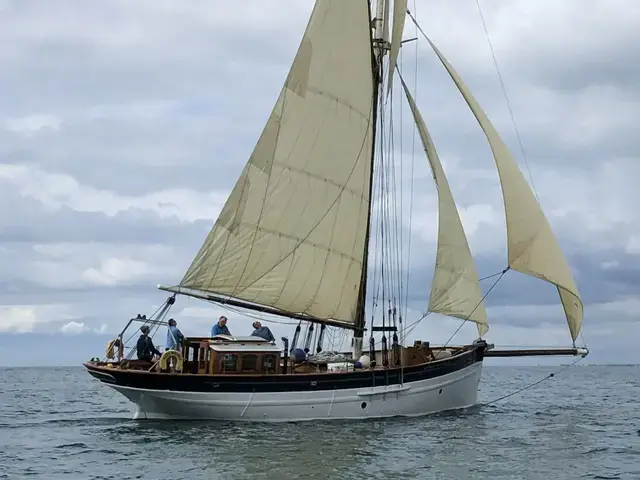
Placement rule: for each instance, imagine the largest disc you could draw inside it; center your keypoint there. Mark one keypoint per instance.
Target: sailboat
(294, 238)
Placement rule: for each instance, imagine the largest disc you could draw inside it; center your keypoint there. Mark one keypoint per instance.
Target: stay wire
(506, 97)
(479, 303)
(531, 385)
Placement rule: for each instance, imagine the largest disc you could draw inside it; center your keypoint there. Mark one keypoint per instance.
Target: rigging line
(413, 163)
(551, 375)
(150, 318)
(161, 317)
(491, 276)
(255, 316)
(504, 90)
(378, 195)
(393, 220)
(382, 209)
(584, 341)
(479, 303)
(383, 231)
(386, 271)
(396, 243)
(394, 201)
(401, 253)
(403, 328)
(411, 326)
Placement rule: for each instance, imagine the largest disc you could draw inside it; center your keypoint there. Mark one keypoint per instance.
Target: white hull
(447, 392)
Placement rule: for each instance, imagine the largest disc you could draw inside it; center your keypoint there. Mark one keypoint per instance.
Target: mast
(378, 50)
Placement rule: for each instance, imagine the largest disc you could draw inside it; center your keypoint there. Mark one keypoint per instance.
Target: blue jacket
(218, 330)
(174, 337)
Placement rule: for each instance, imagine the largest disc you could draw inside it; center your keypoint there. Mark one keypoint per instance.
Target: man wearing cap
(145, 348)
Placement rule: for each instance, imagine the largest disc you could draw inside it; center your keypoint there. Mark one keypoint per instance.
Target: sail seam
(302, 172)
(338, 100)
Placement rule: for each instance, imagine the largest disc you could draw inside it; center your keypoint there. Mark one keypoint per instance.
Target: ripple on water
(573, 426)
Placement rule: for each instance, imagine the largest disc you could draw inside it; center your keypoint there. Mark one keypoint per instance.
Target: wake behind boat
(294, 240)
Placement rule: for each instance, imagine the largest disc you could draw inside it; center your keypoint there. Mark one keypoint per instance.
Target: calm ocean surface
(583, 423)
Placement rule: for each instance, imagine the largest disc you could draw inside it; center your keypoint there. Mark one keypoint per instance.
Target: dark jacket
(145, 348)
(264, 332)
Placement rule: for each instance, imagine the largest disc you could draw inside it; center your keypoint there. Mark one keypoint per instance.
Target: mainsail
(455, 289)
(532, 246)
(292, 234)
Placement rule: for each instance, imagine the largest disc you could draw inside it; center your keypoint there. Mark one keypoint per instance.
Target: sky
(124, 126)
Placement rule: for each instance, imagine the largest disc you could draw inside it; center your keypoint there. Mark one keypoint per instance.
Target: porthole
(363, 405)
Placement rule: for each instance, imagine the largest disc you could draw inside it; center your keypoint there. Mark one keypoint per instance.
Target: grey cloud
(183, 105)
(31, 223)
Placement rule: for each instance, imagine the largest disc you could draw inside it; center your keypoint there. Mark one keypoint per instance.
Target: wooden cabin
(224, 354)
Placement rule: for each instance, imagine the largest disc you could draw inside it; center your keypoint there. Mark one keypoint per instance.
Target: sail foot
(234, 302)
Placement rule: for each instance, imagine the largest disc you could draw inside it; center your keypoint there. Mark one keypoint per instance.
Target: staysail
(532, 246)
(455, 289)
(291, 235)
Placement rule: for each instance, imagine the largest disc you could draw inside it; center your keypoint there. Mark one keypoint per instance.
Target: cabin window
(249, 363)
(269, 364)
(229, 363)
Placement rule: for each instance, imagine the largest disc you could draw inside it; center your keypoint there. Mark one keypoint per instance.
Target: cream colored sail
(292, 233)
(399, 16)
(455, 289)
(533, 248)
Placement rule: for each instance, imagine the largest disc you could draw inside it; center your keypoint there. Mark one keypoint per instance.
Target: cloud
(125, 125)
(32, 124)
(76, 328)
(73, 328)
(56, 191)
(27, 318)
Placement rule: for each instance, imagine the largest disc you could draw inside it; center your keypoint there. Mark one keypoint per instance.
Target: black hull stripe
(283, 383)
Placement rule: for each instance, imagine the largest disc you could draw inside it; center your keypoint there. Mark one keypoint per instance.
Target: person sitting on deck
(220, 328)
(145, 348)
(262, 332)
(174, 336)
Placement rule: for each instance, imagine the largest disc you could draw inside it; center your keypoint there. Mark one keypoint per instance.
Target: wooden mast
(377, 54)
